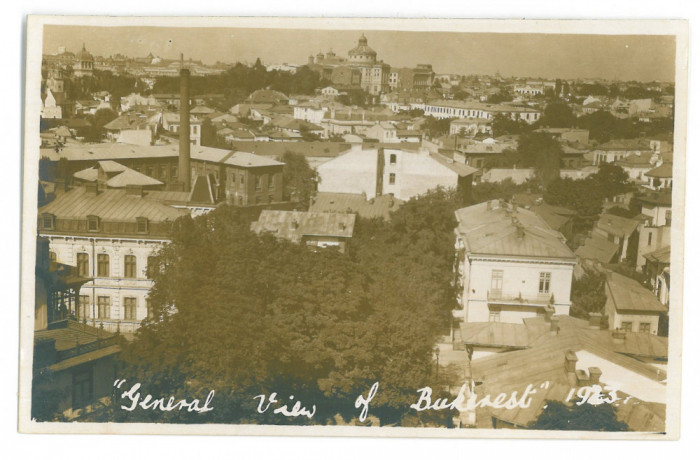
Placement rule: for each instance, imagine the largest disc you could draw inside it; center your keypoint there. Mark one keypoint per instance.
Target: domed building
(375, 74)
(84, 63)
(362, 53)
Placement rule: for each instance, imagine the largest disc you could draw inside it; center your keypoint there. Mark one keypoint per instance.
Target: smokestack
(184, 158)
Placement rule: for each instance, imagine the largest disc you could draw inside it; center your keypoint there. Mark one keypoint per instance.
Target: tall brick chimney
(184, 158)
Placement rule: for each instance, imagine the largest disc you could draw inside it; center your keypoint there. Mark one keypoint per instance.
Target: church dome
(84, 55)
(362, 50)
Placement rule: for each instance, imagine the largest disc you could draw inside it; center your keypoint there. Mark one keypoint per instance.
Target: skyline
(620, 57)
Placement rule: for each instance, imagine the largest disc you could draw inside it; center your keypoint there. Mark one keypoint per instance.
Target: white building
(400, 172)
(470, 109)
(510, 264)
(110, 236)
(631, 307)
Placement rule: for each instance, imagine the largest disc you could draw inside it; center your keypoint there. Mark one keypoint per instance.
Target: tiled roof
(627, 294)
(496, 228)
(381, 206)
(109, 205)
(293, 225)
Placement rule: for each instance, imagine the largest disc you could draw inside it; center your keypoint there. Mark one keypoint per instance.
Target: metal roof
(293, 225)
(628, 295)
(617, 225)
(381, 206)
(498, 228)
(109, 205)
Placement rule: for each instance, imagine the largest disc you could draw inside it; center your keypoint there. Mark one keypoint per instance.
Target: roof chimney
(91, 188)
(184, 158)
(570, 362)
(594, 374)
(554, 325)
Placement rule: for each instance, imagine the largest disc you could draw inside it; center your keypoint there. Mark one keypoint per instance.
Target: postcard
(353, 227)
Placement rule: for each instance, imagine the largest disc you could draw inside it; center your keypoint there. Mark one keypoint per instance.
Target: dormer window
(48, 221)
(141, 225)
(93, 224)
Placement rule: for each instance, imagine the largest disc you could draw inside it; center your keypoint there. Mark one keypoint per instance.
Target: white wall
(518, 278)
(115, 286)
(352, 172)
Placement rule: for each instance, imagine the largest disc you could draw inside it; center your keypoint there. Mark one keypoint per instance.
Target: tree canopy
(299, 178)
(247, 315)
(586, 417)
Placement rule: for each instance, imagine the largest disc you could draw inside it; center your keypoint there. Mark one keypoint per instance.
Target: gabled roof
(617, 225)
(293, 225)
(497, 228)
(598, 248)
(626, 294)
(131, 177)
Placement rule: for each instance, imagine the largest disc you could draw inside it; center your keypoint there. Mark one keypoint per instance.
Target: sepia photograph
(353, 227)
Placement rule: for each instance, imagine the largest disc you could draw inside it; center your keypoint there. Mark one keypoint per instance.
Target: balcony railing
(518, 298)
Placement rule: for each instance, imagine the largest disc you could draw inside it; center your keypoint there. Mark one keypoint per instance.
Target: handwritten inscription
(148, 402)
(296, 411)
(363, 402)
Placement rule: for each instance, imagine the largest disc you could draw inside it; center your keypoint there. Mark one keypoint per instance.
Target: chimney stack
(594, 374)
(594, 320)
(184, 158)
(554, 325)
(570, 362)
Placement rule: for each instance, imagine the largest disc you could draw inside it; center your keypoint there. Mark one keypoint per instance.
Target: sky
(621, 57)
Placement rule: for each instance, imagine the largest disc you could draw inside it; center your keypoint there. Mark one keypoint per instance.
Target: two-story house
(510, 264)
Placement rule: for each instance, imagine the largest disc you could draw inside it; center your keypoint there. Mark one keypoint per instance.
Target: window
(494, 314)
(258, 182)
(141, 225)
(93, 224)
(645, 327)
(103, 265)
(52, 257)
(392, 179)
(47, 221)
(82, 387)
(130, 308)
(392, 159)
(129, 266)
(83, 310)
(149, 171)
(242, 179)
(173, 172)
(83, 264)
(545, 278)
(103, 305)
(271, 183)
(163, 172)
(149, 309)
(497, 281)
(626, 326)
(649, 239)
(271, 198)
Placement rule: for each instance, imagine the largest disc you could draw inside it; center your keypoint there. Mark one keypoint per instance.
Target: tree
(299, 178)
(503, 124)
(588, 294)
(586, 417)
(437, 127)
(247, 315)
(557, 115)
(544, 153)
(503, 95)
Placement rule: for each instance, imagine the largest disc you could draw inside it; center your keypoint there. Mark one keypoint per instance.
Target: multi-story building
(401, 172)
(510, 264)
(84, 64)
(110, 236)
(258, 178)
(631, 307)
(469, 109)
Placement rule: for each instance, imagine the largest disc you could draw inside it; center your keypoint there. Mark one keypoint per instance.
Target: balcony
(517, 298)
